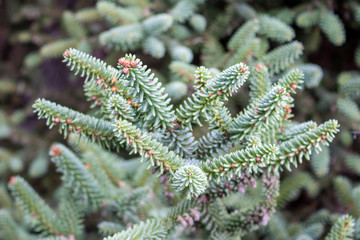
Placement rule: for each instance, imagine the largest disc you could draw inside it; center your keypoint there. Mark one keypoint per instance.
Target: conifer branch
(218, 88)
(75, 175)
(154, 104)
(72, 121)
(45, 219)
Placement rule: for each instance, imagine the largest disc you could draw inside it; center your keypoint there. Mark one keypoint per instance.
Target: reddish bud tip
(114, 89)
(282, 129)
(55, 151)
(121, 61)
(129, 102)
(99, 81)
(113, 80)
(286, 116)
(94, 97)
(221, 169)
(233, 165)
(149, 152)
(323, 136)
(258, 67)
(167, 168)
(126, 70)
(256, 108)
(56, 120)
(87, 166)
(126, 63)
(121, 184)
(280, 91)
(293, 86)
(99, 103)
(219, 93)
(133, 63)
(12, 180)
(243, 69)
(136, 105)
(258, 159)
(68, 121)
(288, 109)
(66, 54)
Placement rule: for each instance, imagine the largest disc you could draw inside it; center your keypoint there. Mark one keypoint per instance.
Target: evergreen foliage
(191, 174)
(212, 148)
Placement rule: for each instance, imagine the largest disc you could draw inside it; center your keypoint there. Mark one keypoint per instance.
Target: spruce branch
(126, 37)
(71, 121)
(245, 32)
(263, 113)
(181, 141)
(260, 82)
(308, 18)
(190, 179)
(10, 230)
(252, 160)
(149, 149)
(75, 175)
(275, 29)
(157, 24)
(302, 144)
(213, 144)
(151, 229)
(219, 88)
(109, 228)
(117, 15)
(44, 218)
(343, 229)
(154, 104)
(333, 27)
(118, 108)
(92, 68)
(294, 129)
(282, 57)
